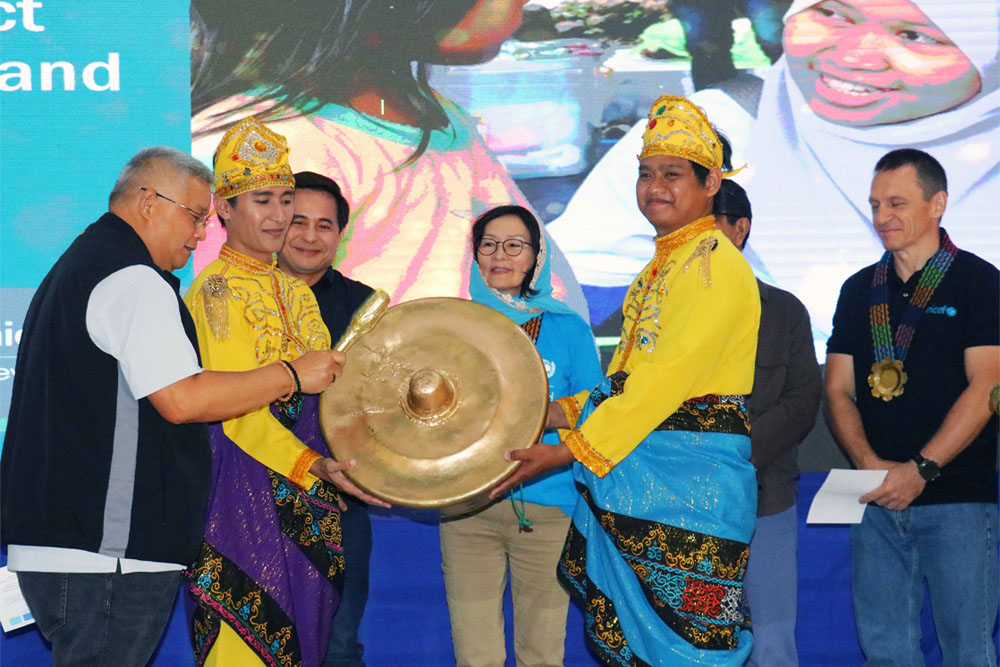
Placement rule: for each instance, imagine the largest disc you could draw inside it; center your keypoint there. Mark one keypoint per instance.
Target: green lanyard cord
(524, 524)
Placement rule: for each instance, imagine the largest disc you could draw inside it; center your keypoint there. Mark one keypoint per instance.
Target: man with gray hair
(914, 352)
(104, 474)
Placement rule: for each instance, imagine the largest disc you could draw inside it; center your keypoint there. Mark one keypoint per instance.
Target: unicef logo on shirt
(950, 311)
(550, 367)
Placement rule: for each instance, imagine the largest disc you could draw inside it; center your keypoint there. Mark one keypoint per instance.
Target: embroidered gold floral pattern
(278, 308)
(602, 629)
(226, 593)
(692, 580)
(710, 413)
(312, 520)
(645, 297)
(215, 294)
(702, 253)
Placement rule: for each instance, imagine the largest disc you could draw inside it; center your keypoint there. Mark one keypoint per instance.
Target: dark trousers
(97, 620)
(344, 649)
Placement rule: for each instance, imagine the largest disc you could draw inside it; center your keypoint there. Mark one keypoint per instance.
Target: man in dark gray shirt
(787, 389)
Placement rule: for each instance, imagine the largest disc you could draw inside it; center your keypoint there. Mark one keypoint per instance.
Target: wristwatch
(928, 469)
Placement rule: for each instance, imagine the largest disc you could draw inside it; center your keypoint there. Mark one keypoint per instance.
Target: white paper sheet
(837, 500)
(14, 611)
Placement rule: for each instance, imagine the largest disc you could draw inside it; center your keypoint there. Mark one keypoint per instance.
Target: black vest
(65, 410)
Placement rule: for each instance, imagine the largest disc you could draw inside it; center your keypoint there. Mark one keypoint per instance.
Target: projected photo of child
(858, 78)
(347, 83)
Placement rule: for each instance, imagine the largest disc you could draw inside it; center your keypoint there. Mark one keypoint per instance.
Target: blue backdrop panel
(62, 149)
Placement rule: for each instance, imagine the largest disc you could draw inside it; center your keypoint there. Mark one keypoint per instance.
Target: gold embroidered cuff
(302, 465)
(571, 409)
(587, 455)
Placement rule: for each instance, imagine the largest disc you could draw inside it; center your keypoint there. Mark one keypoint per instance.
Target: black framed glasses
(200, 219)
(511, 247)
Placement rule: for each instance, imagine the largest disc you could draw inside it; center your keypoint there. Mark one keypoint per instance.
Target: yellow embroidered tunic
(249, 314)
(690, 329)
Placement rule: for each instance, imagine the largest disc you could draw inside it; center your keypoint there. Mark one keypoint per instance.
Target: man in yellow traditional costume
(658, 544)
(264, 581)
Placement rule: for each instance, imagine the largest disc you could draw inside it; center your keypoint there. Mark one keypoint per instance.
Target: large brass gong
(431, 398)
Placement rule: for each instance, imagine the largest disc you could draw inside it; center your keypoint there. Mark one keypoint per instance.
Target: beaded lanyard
(887, 376)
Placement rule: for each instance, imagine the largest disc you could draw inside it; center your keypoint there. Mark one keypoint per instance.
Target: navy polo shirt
(963, 312)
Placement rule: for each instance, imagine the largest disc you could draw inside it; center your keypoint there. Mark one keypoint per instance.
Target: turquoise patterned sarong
(658, 547)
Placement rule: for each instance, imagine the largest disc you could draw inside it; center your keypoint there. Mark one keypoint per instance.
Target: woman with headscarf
(525, 532)
(858, 78)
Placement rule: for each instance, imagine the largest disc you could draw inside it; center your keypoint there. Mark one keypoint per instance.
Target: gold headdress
(250, 157)
(679, 127)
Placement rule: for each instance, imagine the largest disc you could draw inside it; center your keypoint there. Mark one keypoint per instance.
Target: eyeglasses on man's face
(200, 219)
(511, 247)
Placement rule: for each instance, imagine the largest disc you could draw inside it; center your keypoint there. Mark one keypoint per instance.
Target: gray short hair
(177, 160)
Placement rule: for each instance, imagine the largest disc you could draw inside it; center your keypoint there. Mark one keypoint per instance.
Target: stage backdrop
(541, 104)
(83, 86)
(429, 112)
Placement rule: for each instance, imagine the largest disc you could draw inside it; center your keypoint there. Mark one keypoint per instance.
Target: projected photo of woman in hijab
(858, 78)
(347, 83)
(875, 63)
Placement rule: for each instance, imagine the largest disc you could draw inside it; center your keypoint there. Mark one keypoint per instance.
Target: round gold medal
(887, 379)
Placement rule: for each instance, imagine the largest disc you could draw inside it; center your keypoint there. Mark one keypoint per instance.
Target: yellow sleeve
(572, 405)
(706, 345)
(228, 345)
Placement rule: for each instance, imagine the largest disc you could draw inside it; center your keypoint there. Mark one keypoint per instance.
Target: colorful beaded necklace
(887, 376)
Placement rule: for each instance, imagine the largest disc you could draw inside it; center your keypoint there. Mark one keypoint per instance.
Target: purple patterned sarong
(271, 559)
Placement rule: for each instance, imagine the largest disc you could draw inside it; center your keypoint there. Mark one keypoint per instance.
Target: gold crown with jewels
(250, 157)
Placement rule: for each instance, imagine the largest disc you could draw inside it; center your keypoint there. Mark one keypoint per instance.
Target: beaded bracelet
(296, 386)
(295, 376)
(290, 406)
